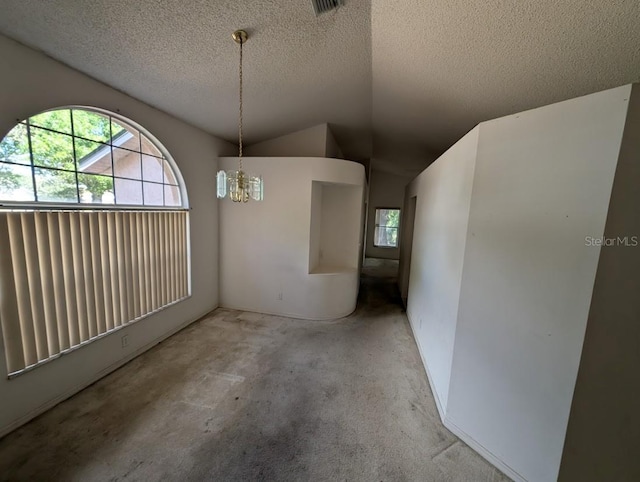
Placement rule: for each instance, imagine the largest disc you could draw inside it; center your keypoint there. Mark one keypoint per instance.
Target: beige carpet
(245, 396)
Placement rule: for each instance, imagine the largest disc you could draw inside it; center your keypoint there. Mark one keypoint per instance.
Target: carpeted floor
(244, 396)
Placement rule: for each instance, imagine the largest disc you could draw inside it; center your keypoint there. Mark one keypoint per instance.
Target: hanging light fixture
(238, 185)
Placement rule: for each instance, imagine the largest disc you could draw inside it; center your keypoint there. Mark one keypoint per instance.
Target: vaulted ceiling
(399, 82)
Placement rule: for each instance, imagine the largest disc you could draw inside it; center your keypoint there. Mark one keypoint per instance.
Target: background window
(386, 230)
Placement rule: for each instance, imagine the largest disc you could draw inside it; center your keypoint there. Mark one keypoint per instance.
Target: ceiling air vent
(322, 6)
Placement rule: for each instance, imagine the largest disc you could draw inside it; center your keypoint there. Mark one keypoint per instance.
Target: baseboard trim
(91, 380)
(457, 431)
(482, 451)
(426, 369)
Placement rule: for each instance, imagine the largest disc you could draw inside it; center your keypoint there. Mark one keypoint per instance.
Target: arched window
(85, 156)
(93, 232)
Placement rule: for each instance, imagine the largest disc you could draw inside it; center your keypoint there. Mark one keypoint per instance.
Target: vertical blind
(67, 277)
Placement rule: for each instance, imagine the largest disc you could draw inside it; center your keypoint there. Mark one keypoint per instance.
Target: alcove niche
(335, 227)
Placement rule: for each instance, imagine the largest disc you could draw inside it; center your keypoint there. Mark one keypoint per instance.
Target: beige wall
(311, 142)
(333, 149)
(316, 141)
(603, 436)
(33, 83)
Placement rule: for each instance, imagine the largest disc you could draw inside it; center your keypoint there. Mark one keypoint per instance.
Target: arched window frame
(99, 206)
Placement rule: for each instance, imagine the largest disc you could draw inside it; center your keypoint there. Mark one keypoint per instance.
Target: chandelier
(239, 185)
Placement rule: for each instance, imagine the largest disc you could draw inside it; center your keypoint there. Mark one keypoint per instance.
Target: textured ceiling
(300, 70)
(408, 77)
(442, 66)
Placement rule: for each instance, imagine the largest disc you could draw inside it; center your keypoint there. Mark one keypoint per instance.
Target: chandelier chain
(236, 184)
(240, 116)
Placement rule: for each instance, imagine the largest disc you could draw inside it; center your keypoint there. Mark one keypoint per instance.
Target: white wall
(33, 82)
(316, 141)
(541, 183)
(440, 233)
(265, 246)
(386, 190)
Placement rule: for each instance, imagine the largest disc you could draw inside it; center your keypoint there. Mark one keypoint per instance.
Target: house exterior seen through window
(82, 156)
(387, 225)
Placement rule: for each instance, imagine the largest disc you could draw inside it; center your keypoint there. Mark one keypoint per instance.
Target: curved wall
(297, 252)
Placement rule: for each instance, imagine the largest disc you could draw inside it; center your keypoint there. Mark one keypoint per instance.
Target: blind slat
(153, 279)
(87, 264)
(122, 270)
(9, 315)
(135, 266)
(79, 277)
(183, 255)
(98, 284)
(176, 254)
(128, 248)
(113, 263)
(46, 279)
(105, 264)
(59, 295)
(68, 268)
(33, 281)
(172, 257)
(147, 262)
(157, 263)
(140, 266)
(165, 253)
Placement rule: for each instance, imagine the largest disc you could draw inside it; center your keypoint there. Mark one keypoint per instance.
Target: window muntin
(82, 156)
(387, 224)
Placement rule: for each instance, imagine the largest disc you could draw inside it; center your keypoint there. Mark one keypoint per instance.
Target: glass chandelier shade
(238, 185)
